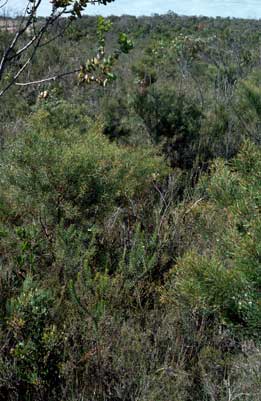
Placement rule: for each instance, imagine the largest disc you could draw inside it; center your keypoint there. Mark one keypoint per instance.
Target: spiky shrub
(54, 178)
(64, 173)
(221, 283)
(59, 180)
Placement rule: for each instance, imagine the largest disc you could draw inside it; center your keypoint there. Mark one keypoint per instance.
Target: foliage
(221, 284)
(99, 69)
(174, 118)
(32, 344)
(49, 161)
(130, 215)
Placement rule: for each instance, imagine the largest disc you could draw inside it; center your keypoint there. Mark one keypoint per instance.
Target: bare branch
(21, 30)
(4, 4)
(27, 45)
(53, 78)
(59, 34)
(36, 40)
(36, 36)
(20, 71)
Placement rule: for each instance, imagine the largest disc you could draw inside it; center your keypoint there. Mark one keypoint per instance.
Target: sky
(223, 8)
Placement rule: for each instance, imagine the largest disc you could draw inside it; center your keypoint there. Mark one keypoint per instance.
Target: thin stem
(53, 78)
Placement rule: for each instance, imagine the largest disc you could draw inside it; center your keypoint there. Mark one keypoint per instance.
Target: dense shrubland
(130, 223)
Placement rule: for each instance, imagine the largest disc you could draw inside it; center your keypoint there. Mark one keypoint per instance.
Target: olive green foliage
(61, 173)
(222, 283)
(130, 224)
(34, 342)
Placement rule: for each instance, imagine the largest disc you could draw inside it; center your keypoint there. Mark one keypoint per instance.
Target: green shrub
(222, 283)
(32, 345)
(56, 174)
(174, 120)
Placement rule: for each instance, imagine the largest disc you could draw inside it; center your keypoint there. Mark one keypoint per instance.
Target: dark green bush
(175, 120)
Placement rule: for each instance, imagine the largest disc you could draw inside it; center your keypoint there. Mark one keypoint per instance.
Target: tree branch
(53, 78)
(21, 30)
(28, 24)
(4, 4)
(16, 76)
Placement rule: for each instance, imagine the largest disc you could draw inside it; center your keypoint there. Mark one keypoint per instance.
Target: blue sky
(232, 8)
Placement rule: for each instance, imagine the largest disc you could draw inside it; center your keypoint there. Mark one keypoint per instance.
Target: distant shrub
(173, 120)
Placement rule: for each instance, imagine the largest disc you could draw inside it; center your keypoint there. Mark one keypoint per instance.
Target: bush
(173, 120)
(221, 285)
(56, 174)
(31, 353)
